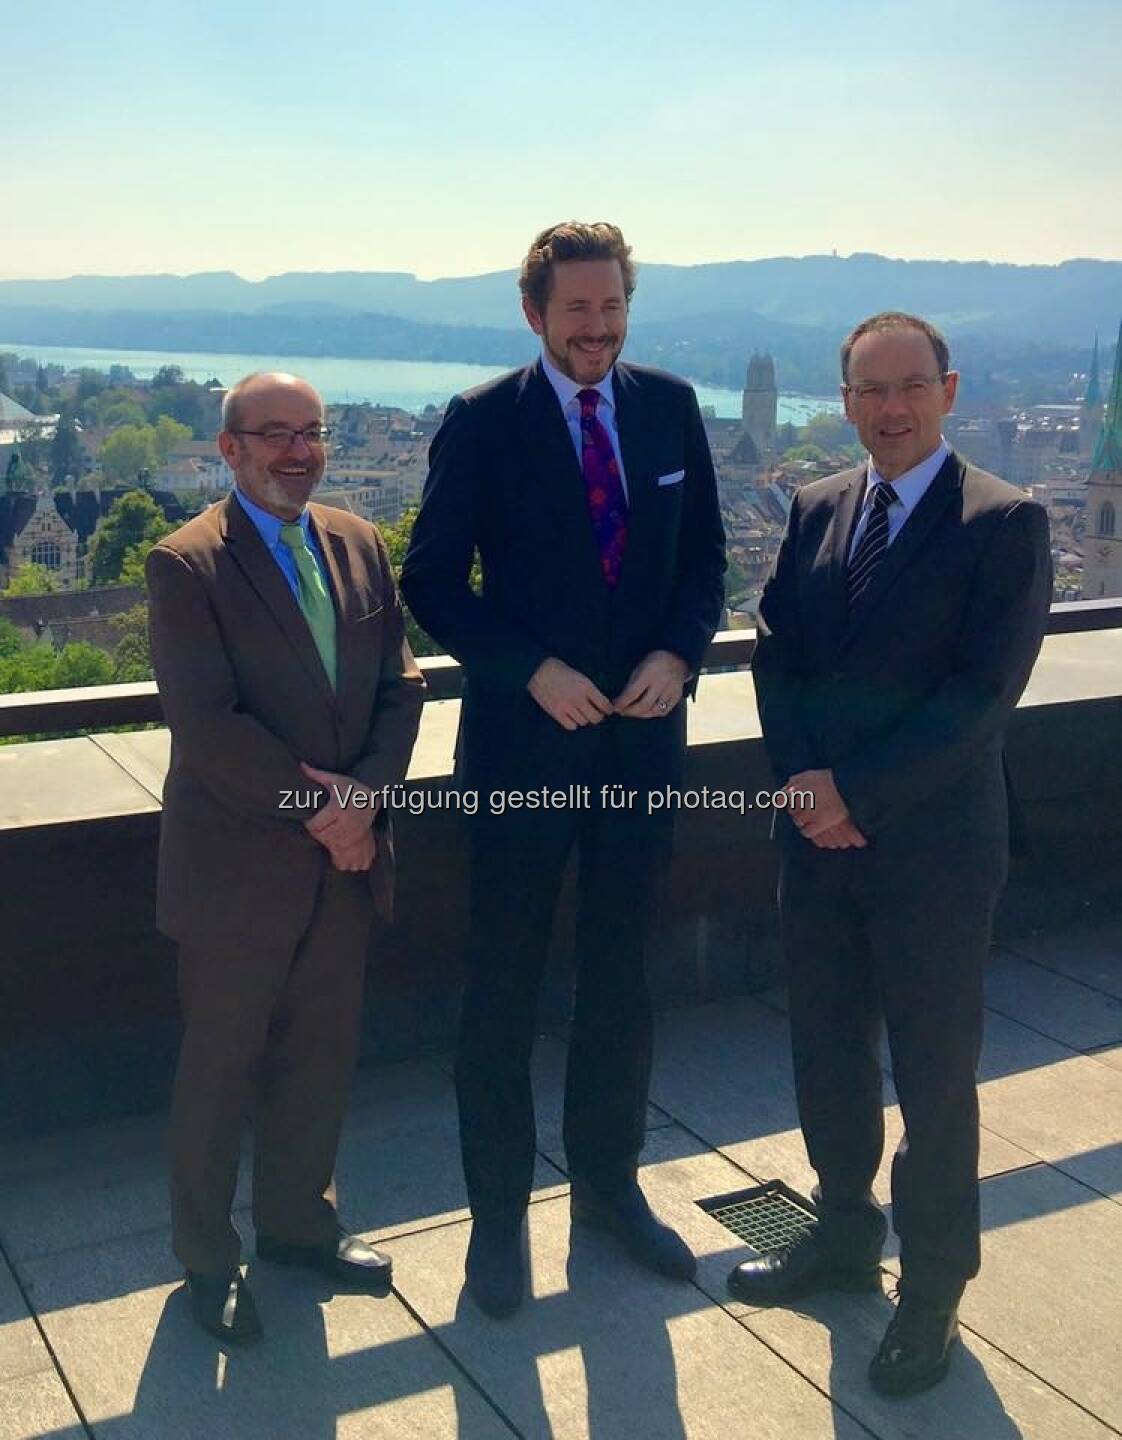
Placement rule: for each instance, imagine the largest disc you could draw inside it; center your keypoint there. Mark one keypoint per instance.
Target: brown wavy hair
(572, 240)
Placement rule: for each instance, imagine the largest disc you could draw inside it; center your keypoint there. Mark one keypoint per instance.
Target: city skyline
(428, 140)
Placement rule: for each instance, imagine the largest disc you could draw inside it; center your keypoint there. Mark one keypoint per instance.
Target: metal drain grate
(767, 1217)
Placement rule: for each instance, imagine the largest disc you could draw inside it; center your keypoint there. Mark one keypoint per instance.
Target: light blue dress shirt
(910, 489)
(269, 528)
(567, 391)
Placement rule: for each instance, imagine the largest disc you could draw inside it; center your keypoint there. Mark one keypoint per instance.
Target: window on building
(1106, 519)
(48, 553)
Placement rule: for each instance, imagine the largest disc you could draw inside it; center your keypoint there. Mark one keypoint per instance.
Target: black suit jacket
(504, 479)
(906, 697)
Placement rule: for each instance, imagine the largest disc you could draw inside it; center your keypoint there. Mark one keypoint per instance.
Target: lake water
(410, 384)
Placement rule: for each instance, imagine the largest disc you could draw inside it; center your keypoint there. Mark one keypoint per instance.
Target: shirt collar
(268, 526)
(912, 485)
(567, 390)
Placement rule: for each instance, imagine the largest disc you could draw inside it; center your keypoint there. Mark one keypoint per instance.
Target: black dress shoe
(804, 1268)
(493, 1271)
(349, 1260)
(915, 1351)
(625, 1214)
(223, 1306)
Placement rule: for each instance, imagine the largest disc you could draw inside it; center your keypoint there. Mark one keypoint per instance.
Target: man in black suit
(895, 637)
(587, 487)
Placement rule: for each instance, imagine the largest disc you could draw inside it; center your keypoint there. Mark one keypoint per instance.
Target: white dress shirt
(910, 489)
(567, 391)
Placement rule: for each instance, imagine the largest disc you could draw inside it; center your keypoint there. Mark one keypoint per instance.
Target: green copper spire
(1094, 395)
(1108, 452)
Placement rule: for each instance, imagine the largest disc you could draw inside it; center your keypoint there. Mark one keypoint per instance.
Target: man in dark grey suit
(587, 487)
(895, 637)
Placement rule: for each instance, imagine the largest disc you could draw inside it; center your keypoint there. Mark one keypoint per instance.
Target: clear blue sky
(437, 137)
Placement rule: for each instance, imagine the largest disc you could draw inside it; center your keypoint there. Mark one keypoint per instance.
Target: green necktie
(315, 599)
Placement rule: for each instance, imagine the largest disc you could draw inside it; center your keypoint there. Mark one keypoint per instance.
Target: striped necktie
(607, 503)
(872, 545)
(315, 599)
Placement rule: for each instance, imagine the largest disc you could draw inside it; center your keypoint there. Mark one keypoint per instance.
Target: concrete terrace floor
(601, 1349)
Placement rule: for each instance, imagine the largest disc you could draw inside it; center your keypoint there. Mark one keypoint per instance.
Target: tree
(119, 411)
(169, 433)
(28, 579)
(66, 450)
(167, 375)
(127, 452)
(133, 520)
(80, 663)
(131, 659)
(11, 641)
(396, 536)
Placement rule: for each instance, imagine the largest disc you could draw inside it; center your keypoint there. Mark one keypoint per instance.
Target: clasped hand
(824, 819)
(653, 689)
(343, 830)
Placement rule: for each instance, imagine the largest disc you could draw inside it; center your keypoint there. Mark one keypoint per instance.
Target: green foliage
(830, 432)
(168, 434)
(134, 520)
(10, 640)
(806, 451)
(396, 537)
(124, 411)
(128, 452)
(31, 579)
(131, 659)
(65, 456)
(80, 664)
(38, 666)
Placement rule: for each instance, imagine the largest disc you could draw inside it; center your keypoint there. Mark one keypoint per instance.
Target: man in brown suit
(293, 701)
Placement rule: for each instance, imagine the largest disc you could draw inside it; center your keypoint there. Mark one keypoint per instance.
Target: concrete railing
(102, 707)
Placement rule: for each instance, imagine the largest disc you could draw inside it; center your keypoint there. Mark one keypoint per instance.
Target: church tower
(1091, 409)
(760, 405)
(1102, 542)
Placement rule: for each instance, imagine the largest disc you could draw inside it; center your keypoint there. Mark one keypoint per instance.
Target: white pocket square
(674, 478)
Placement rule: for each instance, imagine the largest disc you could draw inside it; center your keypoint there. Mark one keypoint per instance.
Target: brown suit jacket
(246, 698)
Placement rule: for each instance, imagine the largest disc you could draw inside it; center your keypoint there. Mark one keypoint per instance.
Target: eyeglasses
(913, 388)
(280, 437)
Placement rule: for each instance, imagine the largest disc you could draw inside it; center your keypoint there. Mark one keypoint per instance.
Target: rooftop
(95, 1338)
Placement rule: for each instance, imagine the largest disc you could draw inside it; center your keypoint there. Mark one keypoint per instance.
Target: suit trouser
(271, 1032)
(866, 940)
(516, 874)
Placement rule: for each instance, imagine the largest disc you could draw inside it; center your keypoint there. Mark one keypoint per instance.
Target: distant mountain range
(702, 319)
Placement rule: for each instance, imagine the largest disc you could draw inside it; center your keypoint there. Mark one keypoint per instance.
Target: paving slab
(1108, 1055)
(71, 1191)
(724, 1071)
(1091, 953)
(37, 1407)
(329, 1366)
(22, 1351)
(986, 1396)
(1052, 1003)
(603, 1349)
(1062, 1106)
(399, 1159)
(1047, 1295)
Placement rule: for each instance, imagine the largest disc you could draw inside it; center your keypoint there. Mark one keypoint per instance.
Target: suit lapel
(639, 473)
(264, 574)
(946, 484)
(336, 558)
(837, 546)
(551, 461)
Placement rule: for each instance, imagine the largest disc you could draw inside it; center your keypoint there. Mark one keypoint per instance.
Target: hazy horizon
(256, 279)
(437, 139)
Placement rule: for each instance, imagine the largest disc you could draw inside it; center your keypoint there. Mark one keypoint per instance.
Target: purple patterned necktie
(607, 503)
